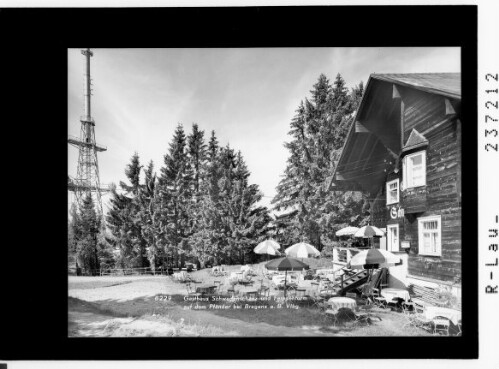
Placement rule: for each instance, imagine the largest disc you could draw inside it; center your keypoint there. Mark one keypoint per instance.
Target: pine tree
(196, 157)
(175, 184)
(207, 237)
(250, 223)
(318, 131)
(151, 214)
(88, 225)
(119, 222)
(124, 219)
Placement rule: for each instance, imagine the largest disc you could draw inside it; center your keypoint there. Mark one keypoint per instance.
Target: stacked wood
(426, 294)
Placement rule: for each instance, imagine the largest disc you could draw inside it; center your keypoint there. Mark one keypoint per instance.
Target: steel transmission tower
(87, 177)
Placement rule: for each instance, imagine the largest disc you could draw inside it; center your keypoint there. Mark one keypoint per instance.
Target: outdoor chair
(191, 291)
(218, 284)
(352, 295)
(318, 302)
(333, 315)
(301, 290)
(264, 291)
(232, 290)
(408, 307)
(396, 303)
(418, 320)
(368, 291)
(380, 302)
(419, 306)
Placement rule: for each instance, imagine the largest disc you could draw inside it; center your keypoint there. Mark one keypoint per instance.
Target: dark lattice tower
(87, 177)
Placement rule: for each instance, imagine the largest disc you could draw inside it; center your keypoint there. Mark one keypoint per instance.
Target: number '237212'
(489, 104)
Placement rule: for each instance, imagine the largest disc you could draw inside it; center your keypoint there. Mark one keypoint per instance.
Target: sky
(248, 96)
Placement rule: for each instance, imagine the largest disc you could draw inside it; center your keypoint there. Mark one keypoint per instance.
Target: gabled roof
(415, 139)
(446, 84)
(370, 150)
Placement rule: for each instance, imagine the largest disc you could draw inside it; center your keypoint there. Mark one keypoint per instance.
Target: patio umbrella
(347, 231)
(369, 232)
(372, 259)
(286, 264)
(302, 250)
(268, 247)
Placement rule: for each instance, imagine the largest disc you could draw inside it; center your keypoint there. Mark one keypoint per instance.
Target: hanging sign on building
(405, 244)
(396, 212)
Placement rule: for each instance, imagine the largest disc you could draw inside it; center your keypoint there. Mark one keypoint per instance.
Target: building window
(430, 235)
(392, 192)
(415, 170)
(392, 233)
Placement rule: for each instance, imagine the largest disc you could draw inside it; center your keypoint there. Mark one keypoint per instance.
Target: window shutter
(404, 172)
(424, 167)
(439, 238)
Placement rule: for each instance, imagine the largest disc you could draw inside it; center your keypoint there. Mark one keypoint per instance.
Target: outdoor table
(246, 268)
(246, 282)
(236, 274)
(301, 289)
(433, 311)
(206, 288)
(326, 294)
(392, 293)
(278, 280)
(338, 302)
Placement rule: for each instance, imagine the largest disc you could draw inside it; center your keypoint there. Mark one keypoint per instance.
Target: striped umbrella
(369, 232)
(302, 250)
(268, 247)
(372, 259)
(347, 231)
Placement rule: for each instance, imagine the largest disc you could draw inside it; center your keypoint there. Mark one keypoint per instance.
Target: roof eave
(431, 90)
(350, 132)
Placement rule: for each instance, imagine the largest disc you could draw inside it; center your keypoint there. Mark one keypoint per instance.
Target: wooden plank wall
(421, 110)
(424, 111)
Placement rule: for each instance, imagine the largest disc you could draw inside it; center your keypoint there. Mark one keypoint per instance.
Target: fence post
(349, 256)
(335, 254)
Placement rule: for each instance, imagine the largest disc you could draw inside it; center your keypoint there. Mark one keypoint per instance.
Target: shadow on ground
(257, 318)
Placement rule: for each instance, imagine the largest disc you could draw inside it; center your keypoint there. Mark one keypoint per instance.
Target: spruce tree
(151, 214)
(175, 182)
(318, 132)
(119, 221)
(207, 237)
(88, 225)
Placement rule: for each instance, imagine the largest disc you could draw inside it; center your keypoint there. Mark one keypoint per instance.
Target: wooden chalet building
(404, 148)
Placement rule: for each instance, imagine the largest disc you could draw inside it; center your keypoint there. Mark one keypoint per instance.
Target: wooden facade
(414, 118)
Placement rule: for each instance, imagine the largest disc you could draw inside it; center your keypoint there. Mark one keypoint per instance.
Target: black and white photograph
(221, 184)
(264, 192)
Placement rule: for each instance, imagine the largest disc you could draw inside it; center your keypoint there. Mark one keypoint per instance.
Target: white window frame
(388, 191)
(438, 244)
(407, 170)
(389, 242)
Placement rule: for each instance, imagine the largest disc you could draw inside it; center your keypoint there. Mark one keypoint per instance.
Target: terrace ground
(156, 306)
